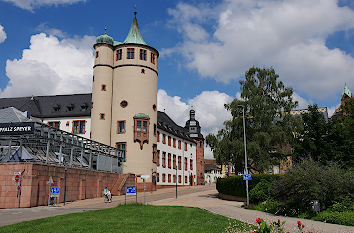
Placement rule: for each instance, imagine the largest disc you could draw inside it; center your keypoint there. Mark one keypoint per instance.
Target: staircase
(123, 181)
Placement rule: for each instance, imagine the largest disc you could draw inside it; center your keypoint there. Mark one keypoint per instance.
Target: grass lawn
(130, 218)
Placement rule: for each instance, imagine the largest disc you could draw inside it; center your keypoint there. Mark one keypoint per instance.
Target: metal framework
(53, 146)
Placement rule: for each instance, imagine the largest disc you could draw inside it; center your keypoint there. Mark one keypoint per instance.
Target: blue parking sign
(54, 191)
(247, 177)
(130, 190)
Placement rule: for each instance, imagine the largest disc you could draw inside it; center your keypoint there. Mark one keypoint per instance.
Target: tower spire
(134, 35)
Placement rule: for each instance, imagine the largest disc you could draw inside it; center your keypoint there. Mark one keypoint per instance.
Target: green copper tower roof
(347, 91)
(104, 39)
(134, 35)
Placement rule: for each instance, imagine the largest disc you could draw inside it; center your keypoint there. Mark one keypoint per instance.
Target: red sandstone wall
(80, 183)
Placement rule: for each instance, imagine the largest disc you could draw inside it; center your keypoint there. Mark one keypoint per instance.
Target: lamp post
(244, 142)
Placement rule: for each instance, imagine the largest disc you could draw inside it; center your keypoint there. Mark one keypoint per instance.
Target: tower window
(96, 54)
(152, 58)
(93, 78)
(102, 116)
(130, 53)
(79, 127)
(143, 54)
(143, 71)
(141, 132)
(119, 54)
(154, 129)
(121, 127)
(103, 87)
(122, 149)
(154, 107)
(124, 104)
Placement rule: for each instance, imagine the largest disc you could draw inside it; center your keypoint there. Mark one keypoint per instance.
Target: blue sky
(205, 48)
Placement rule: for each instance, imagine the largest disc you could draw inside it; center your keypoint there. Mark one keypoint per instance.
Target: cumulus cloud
(51, 66)
(31, 4)
(2, 34)
(208, 105)
(223, 41)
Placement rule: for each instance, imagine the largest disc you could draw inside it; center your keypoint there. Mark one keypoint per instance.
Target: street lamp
(244, 142)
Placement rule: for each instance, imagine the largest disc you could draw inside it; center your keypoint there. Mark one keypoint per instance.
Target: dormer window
(56, 108)
(70, 107)
(84, 107)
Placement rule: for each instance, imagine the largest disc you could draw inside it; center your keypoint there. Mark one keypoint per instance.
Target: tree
(269, 125)
(325, 142)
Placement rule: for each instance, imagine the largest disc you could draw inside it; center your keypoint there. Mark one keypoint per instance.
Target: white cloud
(288, 35)
(209, 108)
(2, 34)
(302, 103)
(31, 4)
(51, 66)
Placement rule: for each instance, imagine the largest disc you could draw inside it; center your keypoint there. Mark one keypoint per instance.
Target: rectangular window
(185, 164)
(122, 149)
(179, 162)
(163, 177)
(174, 178)
(121, 127)
(158, 136)
(179, 144)
(179, 179)
(191, 164)
(169, 160)
(54, 124)
(152, 58)
(158, 158)
(185, 179)
(185, 146)
(130, 53)
(96, 54)
(102, 116)
(79, 127)
(158, 177)
(138, 126)
(169, 140)
(174, 161)
(119, 54)
(155, 129)
(143, 54)
(174, 143)
(163, 159)
(169, 178)
(144, 126)
(163, 138)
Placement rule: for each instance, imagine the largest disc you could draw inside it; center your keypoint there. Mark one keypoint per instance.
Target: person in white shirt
(107, 194)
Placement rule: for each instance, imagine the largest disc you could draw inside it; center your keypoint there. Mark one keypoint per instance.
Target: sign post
(50, 182)
(18, 187)
(144, 177)
(130, 191)
(54, 192)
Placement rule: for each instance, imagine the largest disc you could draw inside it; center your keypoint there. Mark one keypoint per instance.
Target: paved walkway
(209, 200)
(204, 197)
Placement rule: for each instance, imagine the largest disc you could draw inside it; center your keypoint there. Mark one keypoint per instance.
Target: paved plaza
(204, 197)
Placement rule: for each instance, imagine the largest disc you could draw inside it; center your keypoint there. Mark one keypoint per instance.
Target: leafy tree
(269, 126)
(325, 142)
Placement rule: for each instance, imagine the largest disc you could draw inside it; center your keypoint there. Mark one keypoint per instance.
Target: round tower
(134, 104)
(102, 90)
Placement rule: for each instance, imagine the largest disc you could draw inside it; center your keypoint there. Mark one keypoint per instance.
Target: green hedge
(236, 186)
(342, 218)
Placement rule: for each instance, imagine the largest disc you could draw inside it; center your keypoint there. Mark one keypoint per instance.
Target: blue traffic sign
(130, 190)
(55, 190)
(247, 177)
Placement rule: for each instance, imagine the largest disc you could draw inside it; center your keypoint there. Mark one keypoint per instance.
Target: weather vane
(105, 29)
(135, 10)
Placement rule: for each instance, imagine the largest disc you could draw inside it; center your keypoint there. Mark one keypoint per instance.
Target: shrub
(272, 206)
(260, 192)
(343, 218)
(236, 186)
(311, 181)
(347, 204)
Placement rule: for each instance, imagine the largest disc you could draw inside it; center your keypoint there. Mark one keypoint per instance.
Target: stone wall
(80, 183)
